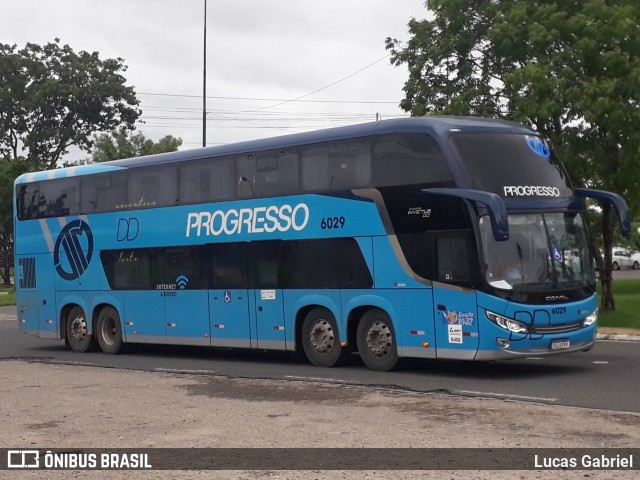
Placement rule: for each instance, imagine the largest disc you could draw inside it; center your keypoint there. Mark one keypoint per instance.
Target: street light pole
(204, 81)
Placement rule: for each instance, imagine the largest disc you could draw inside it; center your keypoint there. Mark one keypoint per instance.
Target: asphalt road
(625, 274)
(606, 378)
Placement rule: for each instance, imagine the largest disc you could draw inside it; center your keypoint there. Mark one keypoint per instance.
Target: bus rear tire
(109, 331)
(376, 341)
(321, 339)
(78, 337)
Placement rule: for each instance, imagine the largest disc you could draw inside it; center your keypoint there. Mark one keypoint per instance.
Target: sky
(273, 66)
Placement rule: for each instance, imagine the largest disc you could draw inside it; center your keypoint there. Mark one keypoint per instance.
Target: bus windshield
(544, 251)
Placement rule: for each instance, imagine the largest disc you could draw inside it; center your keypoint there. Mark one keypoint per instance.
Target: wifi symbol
(182, 282)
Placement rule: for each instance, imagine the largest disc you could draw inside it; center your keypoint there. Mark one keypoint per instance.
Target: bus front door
(456, 322)
(269, 315)
(229, 318)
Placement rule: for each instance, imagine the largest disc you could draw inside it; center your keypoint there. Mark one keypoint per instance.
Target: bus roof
(438, 126)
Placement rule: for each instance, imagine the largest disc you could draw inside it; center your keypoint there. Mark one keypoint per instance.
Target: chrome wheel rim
(322, 337)
(78, 328)
(108, 330)
(379, 339)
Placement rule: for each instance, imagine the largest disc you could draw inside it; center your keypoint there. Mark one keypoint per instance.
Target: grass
(7, 296)
(626, 294)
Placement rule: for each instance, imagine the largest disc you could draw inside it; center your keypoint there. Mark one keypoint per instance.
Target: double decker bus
(439, 237)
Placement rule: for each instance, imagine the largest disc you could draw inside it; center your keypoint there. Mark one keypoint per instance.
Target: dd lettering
(128, 229)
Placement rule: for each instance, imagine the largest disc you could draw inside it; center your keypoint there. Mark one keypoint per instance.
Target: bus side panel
(229, 318)
(388, 271)
(144, 317)
(187, 317)
(410, 311)
(456, 322)
(270, 324)
(36, 304)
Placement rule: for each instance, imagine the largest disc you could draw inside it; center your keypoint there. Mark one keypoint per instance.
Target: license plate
(560, 344)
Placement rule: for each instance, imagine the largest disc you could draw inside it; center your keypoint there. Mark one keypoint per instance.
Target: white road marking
(314, 379)
(180, 370)
(505, 395)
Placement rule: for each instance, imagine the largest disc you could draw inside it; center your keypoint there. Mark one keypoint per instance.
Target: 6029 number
(328, 223)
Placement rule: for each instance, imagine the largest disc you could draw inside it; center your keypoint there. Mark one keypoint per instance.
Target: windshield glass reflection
(544, 251)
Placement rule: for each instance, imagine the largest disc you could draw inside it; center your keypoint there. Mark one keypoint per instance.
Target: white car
(635, 258)
(621, 258)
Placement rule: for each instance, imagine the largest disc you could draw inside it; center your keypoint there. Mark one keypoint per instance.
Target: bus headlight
(591, 319)
(507, 323)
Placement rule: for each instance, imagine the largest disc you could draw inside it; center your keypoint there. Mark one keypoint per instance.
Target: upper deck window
(371, 162)
(408, 159)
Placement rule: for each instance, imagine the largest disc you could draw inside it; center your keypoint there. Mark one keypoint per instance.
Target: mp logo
(74, 249)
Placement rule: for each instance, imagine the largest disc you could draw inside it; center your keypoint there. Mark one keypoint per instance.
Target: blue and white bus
(438, 237)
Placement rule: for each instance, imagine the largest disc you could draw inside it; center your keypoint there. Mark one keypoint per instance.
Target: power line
(284, 100)
(327, 86)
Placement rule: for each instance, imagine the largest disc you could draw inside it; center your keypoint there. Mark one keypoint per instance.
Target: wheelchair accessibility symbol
(73, 251)
(227, 297)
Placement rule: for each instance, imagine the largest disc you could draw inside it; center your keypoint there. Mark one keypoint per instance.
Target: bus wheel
(109, 330)
(78, 338)
(321, 340)
(376, 341)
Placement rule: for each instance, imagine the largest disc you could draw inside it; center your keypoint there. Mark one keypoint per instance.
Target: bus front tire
(78, 337)
(321, 340)
(109, 331)
(376, 341)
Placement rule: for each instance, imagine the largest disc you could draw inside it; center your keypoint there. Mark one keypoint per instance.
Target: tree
(120, 145)
(569, 69)
(52, 98)
(9, 171)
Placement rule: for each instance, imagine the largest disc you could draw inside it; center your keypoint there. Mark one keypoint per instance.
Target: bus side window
(324, 263)
(276, 174)
(453, 259)
(336, 166)
(127, 269)
(28, 197)
(245, 176)
(229, 266)
(405, 159)
(59, 198)
(207, 180)
(104, 192)
(265, 264)
(152, 188)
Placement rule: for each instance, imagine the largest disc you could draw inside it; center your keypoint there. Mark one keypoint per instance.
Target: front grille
(565, 327)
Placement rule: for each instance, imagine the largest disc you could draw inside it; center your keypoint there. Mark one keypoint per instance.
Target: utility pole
(204, 81)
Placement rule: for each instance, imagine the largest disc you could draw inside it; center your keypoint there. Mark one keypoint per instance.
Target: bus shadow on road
(190, 358)
(492, 370)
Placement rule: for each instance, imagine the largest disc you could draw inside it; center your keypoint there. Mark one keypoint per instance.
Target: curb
(618, 337)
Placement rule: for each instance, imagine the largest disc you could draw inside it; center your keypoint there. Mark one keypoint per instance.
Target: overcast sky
(260, 53)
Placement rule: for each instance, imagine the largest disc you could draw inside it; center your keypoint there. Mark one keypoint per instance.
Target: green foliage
(120, 145)
(569, 69)
(52, 97)
(9, 171)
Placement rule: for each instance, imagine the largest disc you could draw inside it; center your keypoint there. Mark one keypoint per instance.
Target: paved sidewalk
(618, 333)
